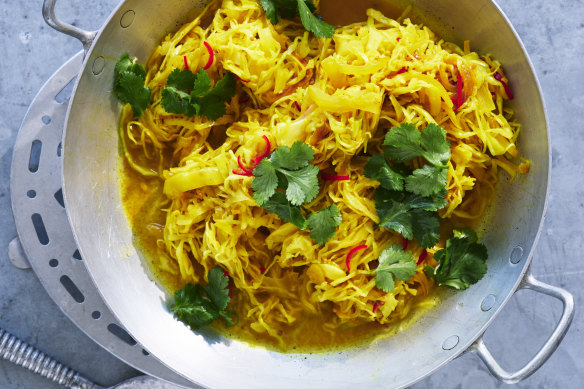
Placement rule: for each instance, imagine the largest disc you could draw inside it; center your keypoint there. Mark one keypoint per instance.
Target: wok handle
(15, 350)
(529, 282)
(85, 37)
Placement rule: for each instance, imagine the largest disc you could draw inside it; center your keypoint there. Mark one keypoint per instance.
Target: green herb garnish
(197, 306)
(289, 168)
(289, 9)
(461, 263)
(323, 224)
(129, 79)
(407, 201)
(191, 94)
(394, 263)
(284, 181)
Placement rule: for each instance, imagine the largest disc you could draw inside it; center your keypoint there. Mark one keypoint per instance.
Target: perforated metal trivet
(45, 238)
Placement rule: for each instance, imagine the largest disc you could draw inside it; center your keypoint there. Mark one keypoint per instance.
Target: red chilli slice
(459, 86)
(268, 148)
(422, 256)
(351, 253)
(245, 171)
(186, 62)
(332, 177)
(211, 56)
(508, 92)
(375, 305)
(405, 242)
(257, 159)
(239, 78)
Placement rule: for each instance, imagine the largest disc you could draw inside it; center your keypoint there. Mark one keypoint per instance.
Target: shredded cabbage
(340, 96)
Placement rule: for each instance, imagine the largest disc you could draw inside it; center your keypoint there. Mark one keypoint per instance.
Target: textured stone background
(553, 33)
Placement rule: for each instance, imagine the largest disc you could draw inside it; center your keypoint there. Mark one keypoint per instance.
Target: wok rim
(461, 349)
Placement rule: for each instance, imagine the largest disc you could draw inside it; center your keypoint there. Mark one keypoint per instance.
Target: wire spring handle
(17, 351)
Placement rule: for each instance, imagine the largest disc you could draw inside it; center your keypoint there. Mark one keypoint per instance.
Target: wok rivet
(450, 342)
(98, 65)
(488, 302)
(127, 18)
(516, 255)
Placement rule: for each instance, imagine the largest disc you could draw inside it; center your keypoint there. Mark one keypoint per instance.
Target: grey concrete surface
(553, 33)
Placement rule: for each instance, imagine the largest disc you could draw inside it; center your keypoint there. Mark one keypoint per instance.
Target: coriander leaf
(466, 233)
(265, 181)
(129, 79)
(384, 281)
(396, 263)
(218, 288)
(312, 23)
(181, 79)
(404, 214)
(427, 181)
(302, 184)
(431, 203)
(323, 224)
(384, 200)
(405, 143)
(212, 103)
(402, 143)
(461, 263)
(130, 89)
(212, 107)
(289, 9)
(225, 88)
(128, 64)
(198, 307)
(425, 225)
(191, 94)
(299, 155)
(193, 308)
(378, 169)
(176, 101)
(272, 13)
(202, 84)
(287, 168)
(396, 216)
(279, 205)
(436, 147)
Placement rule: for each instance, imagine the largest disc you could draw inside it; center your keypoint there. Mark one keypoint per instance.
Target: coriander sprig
(289, 9)
(286, 180)
(191, 94)
(197, 306)
(407, 200)
(394, 263)
(129, 79)
(461, 263)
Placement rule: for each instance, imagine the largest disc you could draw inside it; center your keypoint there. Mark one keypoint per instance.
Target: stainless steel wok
(95, 211)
